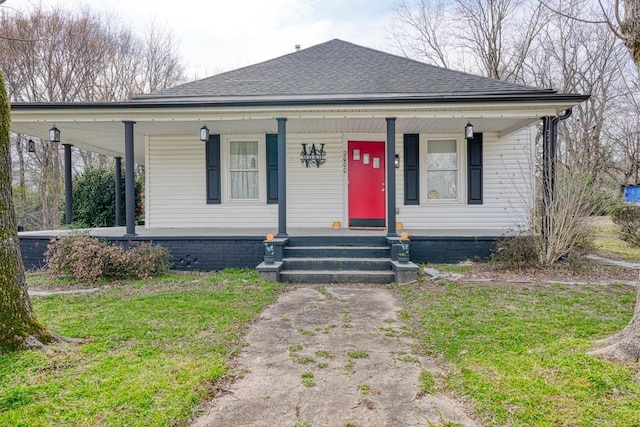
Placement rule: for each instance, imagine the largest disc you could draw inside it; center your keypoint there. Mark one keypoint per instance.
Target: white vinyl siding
(176, 194)
(507, 189)
(176, 191)
(315, 196)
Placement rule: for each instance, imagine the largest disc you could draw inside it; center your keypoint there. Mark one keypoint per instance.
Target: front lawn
(607, 243)
(155, 349)
(518, 351)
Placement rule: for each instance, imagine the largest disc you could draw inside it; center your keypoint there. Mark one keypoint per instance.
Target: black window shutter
(212, 154)
(474, 170)
(272, 168)
(411, 169)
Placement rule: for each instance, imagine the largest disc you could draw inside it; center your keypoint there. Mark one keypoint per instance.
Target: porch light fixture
(204, 133)
(54, 134)
(396, 162)
(468, 131)
(31, 146)
(313, 156)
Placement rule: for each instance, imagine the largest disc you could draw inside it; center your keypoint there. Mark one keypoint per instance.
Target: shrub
(87, 259)
(516, 251)
(76, 256)
(94, 198)
(559, 220)
(627, 218)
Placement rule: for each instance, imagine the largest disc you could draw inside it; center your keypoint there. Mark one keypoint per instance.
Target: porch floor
(141, 231)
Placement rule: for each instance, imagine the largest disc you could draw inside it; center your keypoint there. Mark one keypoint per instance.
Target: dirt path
(333, 356)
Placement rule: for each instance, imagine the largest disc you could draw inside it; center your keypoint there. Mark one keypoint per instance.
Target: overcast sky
(219, 35)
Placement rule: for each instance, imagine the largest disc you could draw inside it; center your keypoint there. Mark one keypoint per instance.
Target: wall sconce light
(31, 146)
(468, 131)
(204, 133)
(54, 134)
(396, 162)
(313, 156)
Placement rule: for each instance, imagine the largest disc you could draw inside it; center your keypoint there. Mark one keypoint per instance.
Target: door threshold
(368, 228)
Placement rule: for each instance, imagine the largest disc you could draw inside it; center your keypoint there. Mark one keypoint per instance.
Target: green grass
(364, 389)
(519, 352)
(307, 379)
(426, 384)
(358, 354)
(608, 245)
(325, 354)
(154, 350)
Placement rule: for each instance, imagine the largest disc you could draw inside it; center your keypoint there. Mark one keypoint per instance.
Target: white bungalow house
(336, 136)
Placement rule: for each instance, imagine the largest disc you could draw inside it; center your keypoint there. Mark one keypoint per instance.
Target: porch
(210, 249)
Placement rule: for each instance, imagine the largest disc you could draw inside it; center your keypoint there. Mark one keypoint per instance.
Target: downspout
(549, 162)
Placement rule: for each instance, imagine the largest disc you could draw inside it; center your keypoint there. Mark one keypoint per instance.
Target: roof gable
(339, 68)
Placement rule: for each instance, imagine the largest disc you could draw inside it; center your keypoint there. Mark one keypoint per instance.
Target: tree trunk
(19, 327)
(625, 345)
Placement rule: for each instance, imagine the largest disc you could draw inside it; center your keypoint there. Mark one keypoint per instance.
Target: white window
(442, 169)
(244, 170)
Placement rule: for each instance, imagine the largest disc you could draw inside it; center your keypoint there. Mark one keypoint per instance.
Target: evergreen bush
(627, 218)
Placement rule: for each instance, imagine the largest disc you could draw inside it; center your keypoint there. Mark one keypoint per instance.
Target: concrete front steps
(333, 259)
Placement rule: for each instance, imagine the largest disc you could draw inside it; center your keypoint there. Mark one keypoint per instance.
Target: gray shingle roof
(342, 70)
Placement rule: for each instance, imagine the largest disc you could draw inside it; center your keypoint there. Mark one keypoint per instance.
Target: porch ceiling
(102, 131)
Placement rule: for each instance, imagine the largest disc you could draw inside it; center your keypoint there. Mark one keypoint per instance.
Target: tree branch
(20, 40)
(613, 29)
(575, 18)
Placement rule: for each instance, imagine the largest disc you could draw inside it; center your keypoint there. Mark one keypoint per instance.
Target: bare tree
(419, 31)
(624, 22)
(59, 54)
(161, 65)
(625, 137)
(496, 34)
(584, 59)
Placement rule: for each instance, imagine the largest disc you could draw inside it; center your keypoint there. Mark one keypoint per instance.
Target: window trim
(226, 169)
(461, 175)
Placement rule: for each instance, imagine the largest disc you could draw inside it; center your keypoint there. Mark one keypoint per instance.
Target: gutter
(247, 102)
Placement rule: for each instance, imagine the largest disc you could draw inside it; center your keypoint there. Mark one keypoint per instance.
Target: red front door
(366, 184)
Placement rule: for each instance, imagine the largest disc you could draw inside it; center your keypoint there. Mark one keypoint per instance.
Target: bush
(516, 251)
(94, 198)
(87, 259)
(627, 217)
(559, 221)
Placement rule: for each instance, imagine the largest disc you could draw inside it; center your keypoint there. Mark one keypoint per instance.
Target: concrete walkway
(625, 264)
(331, 356)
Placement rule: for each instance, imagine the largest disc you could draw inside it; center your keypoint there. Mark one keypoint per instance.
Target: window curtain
(244, 170)
(442, 164)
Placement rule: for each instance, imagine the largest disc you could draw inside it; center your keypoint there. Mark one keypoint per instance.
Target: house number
(344, 162)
